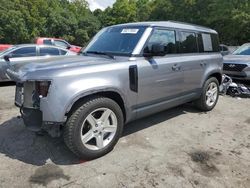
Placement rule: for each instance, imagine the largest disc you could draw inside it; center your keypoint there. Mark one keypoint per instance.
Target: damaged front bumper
(28, 101)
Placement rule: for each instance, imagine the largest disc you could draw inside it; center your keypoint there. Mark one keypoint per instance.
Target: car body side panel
(159, 87)
(157, 81)
(197, 67)
(109, 77)
(162, 82)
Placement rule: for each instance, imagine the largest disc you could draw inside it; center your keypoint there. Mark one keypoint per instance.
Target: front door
(160, 79)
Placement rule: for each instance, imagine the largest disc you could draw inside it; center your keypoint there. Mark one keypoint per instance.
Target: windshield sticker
(130, 31)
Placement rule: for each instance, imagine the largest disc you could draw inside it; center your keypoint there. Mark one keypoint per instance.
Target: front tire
(209, 96)
(93, 129)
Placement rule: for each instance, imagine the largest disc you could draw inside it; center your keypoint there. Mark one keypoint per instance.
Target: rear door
(193, 62)
(198, 52)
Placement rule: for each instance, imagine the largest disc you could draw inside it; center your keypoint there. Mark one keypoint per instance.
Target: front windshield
(118, 40)
(243, 50)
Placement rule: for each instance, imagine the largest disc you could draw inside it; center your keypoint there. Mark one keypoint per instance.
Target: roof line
(191, 24)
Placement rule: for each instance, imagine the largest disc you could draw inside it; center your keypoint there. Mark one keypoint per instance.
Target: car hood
(237, 59)
(63, 62)
(47, 69)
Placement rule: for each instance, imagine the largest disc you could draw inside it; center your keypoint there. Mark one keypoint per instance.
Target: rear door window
(49, 51)
(24, 52)
(188, 42)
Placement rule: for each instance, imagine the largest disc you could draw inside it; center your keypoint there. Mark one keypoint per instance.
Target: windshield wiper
(100, 53)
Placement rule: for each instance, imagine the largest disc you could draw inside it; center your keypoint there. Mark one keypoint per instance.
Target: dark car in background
(58, 42)
(237, 65)
(19, 55)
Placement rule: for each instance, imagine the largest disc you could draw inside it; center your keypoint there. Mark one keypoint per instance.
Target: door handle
(176, 67)
(203, 64)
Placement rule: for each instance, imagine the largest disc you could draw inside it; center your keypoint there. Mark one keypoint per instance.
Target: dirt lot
(176, 148)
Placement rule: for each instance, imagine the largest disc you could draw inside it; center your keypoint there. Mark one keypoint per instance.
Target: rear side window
(164, 37)
(188, 42)
(208, 42)
(49, 51)
(47, 41)
(62, 52)
(61, 43)
(24, 52)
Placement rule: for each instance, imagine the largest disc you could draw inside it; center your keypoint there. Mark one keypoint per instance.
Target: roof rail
(179, 22)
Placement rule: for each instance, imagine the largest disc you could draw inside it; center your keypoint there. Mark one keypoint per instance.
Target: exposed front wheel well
(109, 94)
(218, 76)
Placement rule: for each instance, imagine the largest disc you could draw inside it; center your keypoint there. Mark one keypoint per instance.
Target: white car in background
(20, 55)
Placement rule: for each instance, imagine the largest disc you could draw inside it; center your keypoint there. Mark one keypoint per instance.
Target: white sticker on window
(130, 31)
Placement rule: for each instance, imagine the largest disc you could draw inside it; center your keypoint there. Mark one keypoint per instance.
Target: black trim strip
(133, 78)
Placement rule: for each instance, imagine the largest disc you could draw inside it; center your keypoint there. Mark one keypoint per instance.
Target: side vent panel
(133, 78)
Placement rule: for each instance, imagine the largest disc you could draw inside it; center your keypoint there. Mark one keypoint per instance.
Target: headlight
(42, 88)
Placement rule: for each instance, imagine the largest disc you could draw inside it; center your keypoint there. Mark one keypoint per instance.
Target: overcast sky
(101, 4)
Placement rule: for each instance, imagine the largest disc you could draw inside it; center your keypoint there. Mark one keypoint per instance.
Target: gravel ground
(180, 147)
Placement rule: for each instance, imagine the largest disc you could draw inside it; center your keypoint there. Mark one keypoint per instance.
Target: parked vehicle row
(19, 55)
(126, 72)
(49, 41)
(58, 42)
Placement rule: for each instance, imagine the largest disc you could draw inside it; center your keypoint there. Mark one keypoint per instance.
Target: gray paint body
(159, 86)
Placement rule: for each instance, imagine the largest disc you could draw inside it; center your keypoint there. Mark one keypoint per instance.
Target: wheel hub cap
(211, 94)
(99, 128)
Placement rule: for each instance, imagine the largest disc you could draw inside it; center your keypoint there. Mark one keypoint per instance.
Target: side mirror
(154, 50)
(68, 47)
(6, 58)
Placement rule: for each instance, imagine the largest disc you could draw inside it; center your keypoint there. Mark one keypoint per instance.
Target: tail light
(42, 88)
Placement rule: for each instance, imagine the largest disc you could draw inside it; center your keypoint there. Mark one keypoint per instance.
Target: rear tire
(93, 129)
(209, 96)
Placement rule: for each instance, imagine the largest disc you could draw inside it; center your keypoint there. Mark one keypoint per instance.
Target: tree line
(21, 21)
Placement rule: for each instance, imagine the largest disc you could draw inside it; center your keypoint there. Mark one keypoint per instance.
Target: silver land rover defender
(126, 72)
